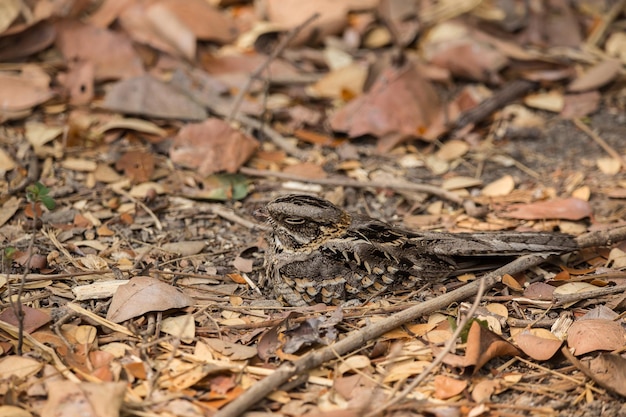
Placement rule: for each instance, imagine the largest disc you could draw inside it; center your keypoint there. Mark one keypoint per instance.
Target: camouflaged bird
(319, 253)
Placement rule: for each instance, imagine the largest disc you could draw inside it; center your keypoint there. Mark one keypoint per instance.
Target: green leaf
(48, 202)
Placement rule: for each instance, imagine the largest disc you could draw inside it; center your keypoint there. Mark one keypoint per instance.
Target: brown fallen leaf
(79, 81)
(32, 318)
(596, 76)
(21, 91)
(212, 146)
(589, 335)
(88, 399)
(484, 345)
(560, 208)
(401, 102)
(539, 344)
(142, 295)
(580, 105)
(539, 291)
(111, 53)
(454, 46)
(28, 41)
(610, 370)
(447, 387)
(203, 20)
(138, 166)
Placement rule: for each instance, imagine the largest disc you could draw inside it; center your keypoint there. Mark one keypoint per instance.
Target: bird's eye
(294, 220)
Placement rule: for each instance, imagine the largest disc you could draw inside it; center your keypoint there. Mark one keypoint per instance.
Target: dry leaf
(182, 327)
(551, 101)
(233, 351)
(580, 105)
(484, 345)
(32, 318)
(111, 53)
(597, 76)
(380, 113)
(25, 90)
(87, 399)
(184, 247)
(343, 83)
(560, 208)
(138, 166)
(589, 335)
(149, 97)
(142, 295)
(539, 344)
(609, 370)
(539, 291)
(608, 165)
(452, 149)
(447, 387)
(463, 52)
(499, 187)
(212, 146)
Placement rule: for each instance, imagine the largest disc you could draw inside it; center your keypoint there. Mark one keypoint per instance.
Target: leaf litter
(124, 124)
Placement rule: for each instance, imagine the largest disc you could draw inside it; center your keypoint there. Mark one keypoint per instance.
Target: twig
(275, 53)
(230, 215)
(16, 305)
(498, 100)
(360, 337)
(588, 295)
(607, 148)
(31, 176)
(157, 222)
(345, 182)
(598, 32)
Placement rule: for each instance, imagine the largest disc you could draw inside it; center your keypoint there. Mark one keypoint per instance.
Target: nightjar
(320, 253)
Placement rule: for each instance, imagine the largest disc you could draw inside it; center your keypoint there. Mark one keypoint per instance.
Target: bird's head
(303, 222)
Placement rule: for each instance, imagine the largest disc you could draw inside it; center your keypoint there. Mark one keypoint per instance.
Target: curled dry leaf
(500, 187)
(142, 295)
(25, 90)
(560, 208)
(539, 344)
(212, 146)
(446, 387)
(484, 345)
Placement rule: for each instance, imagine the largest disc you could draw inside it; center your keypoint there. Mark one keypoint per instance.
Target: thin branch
(275, 53)
(346, 182)
(598, 139)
